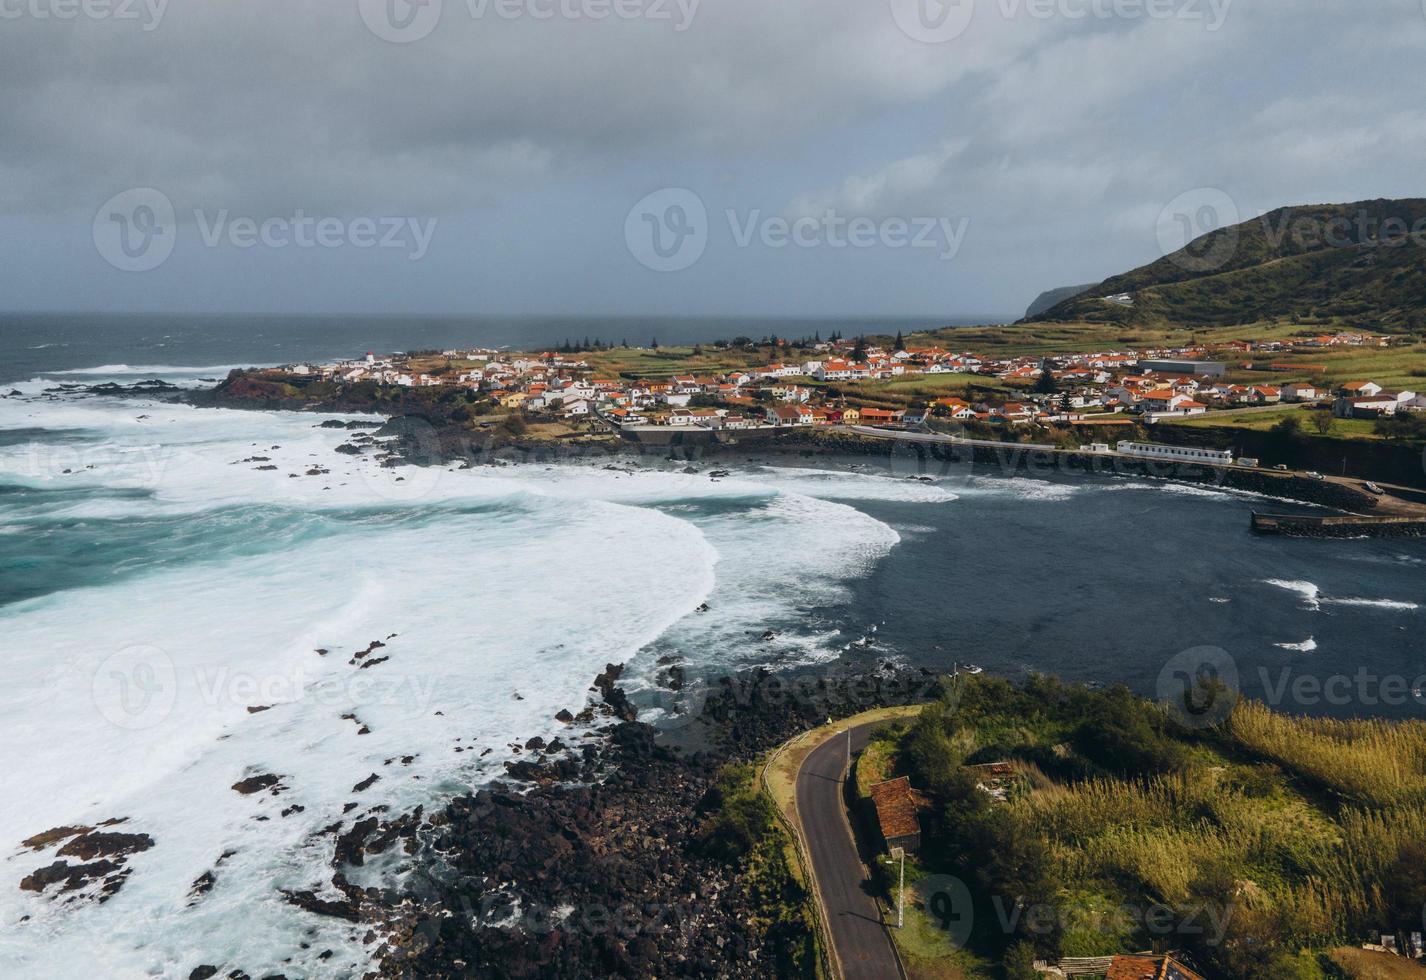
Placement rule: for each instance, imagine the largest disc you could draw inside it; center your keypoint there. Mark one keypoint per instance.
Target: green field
(1262, 421)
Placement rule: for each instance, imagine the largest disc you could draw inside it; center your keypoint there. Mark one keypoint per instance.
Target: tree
(514, 424)
(859, 351)
(900, 344)
(654, 343)
(1046, 384)
(1020, 962)
(1402, 425)
(1322, 420)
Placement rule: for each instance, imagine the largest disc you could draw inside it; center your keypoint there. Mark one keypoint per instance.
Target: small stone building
(897, 812)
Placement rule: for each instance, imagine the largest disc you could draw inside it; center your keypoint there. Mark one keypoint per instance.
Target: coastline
(408, 429)
(427, 437)
(597, 861)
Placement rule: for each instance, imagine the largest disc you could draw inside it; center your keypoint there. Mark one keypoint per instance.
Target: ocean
(33, 344)
(195, 597)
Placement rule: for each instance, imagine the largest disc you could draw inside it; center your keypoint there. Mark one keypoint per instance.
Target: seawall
(1347, 526)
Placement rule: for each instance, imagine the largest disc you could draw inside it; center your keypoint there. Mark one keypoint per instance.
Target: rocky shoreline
(594, 862)
(426, 438)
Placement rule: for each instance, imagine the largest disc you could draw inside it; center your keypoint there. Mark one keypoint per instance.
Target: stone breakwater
(1352, 526)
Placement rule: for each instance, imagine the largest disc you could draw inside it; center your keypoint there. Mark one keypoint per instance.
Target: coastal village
(839, 381)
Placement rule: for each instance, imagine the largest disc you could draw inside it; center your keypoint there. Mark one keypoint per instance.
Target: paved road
(862, 945)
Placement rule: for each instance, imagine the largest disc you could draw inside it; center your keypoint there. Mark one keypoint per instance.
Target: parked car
(1373, 488)
(1314, 475)
(1281, 466)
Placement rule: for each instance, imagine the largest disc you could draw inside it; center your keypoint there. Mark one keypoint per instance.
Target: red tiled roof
(896, 807)
(1149, 968)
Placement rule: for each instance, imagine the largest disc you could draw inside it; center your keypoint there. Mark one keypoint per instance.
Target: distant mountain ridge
(1363, 262)
(1053, 297)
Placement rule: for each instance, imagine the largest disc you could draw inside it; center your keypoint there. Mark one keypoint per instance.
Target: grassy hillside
(1254, 847)
(1324, 263)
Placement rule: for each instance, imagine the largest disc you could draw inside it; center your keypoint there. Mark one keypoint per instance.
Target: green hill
(1053, 297)
(1362, 264)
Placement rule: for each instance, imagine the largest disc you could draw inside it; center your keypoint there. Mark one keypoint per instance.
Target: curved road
(862, 945)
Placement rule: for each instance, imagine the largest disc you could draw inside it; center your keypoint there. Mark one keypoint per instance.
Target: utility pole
(900, 852)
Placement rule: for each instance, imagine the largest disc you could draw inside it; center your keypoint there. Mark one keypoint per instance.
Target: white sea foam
(1394, 604)
(844, 485)
(1309, 592)
(1313, 598)
(1019, 487)
(499, 627)
(147, 370)
(508, 589)
(1306, 646)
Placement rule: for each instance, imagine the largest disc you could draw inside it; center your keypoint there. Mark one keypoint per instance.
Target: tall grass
(1309, 873)
(1374, 763)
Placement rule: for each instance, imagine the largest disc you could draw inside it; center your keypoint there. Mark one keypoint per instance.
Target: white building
(1176, 454)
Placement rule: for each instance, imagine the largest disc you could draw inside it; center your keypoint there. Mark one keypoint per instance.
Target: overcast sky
(762, 157)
